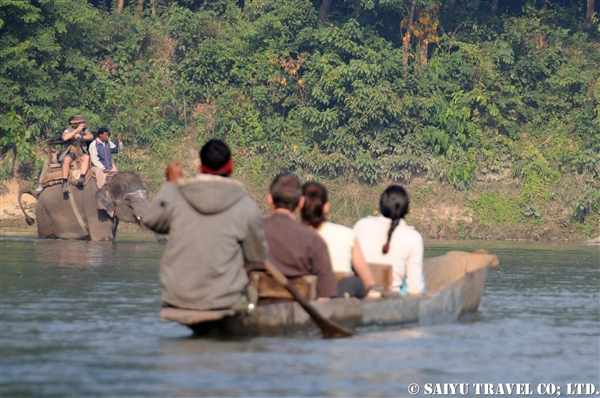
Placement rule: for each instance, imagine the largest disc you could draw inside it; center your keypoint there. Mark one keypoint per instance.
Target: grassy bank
(490, 210)
(497, 208)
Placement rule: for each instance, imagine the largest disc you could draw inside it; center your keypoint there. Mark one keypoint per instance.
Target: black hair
(315, 196)
(215, 154)
(393, 204)
(102, 130)
(286, 191)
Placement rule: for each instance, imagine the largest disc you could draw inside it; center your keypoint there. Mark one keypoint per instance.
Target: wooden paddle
(328, 328)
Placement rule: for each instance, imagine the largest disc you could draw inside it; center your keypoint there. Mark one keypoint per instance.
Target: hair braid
(393, 205)
(386, 247)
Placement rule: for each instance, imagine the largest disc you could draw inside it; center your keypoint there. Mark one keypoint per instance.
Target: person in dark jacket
(214, 228)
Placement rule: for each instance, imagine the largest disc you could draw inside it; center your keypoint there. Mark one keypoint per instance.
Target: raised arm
(67, 135)
(159, 214)
(87, 135)
(117, 148)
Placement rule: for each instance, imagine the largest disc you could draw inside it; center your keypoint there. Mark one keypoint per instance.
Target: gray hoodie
(214, 227)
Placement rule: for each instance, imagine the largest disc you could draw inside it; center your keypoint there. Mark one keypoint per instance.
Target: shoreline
(20, 228)
(438, 213)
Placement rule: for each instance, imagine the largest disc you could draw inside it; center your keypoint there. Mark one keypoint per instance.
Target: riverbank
(487, 212)
(491, 210)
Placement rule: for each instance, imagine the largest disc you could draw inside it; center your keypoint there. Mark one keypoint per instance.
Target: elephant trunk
(139, 208)
(139, 204)
(160, 237)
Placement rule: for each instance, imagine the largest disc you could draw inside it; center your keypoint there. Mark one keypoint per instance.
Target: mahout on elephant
(88, 213)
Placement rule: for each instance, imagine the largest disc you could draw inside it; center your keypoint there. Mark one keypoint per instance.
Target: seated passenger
(214, 228)
(101, 151)
(75, 131)
(388, 239)
(344, 249)
(294, 248)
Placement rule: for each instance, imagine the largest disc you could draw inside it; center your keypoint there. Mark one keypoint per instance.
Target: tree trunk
(153, 3)
(589, 14)
(120, 5)
(140, 8)
(406, 38)
(357, 8)
(324, 10)
(423, 52)
(494, 8)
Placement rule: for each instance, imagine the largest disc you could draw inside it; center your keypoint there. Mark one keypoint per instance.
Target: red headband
(226, 169)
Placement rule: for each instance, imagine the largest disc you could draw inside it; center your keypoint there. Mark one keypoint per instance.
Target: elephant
(123, 198)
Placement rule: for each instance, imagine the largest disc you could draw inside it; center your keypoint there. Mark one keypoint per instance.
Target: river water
(80, 319)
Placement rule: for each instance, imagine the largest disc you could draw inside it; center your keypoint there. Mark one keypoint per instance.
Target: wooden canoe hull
(463, 276)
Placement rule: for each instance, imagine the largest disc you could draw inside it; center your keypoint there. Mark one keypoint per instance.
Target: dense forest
(475, 95)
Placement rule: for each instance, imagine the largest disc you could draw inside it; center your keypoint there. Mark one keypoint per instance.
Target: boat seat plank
(382, 275)
(268, 287)
(191, 317)
(339, 275)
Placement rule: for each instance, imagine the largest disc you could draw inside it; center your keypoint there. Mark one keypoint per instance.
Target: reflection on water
(80, 318)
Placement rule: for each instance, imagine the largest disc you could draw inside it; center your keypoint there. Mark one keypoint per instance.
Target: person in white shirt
(388, 239)
(344, 250)
(101, 151)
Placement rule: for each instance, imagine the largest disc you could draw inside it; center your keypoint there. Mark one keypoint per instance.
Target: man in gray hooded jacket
(214, 228)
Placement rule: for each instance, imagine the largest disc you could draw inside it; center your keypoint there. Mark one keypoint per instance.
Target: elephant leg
(44, 223)
(101, 227)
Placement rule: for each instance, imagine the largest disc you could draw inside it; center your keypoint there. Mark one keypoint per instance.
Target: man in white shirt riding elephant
(101, 151)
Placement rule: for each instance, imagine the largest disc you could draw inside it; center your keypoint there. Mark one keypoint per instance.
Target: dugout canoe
(454, 282)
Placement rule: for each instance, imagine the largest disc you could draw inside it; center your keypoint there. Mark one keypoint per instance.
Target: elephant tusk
(138, 217)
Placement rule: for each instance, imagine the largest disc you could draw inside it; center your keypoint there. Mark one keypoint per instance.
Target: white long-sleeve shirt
(405, 254)
(94, 153)
(340, 242)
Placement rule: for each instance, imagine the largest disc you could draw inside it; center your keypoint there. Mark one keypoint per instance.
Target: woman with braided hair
(388, 239)
(344, 251)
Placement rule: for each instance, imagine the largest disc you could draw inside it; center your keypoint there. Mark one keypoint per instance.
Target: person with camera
(74, 132)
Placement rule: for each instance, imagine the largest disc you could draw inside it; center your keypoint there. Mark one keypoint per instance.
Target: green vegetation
(469, 93)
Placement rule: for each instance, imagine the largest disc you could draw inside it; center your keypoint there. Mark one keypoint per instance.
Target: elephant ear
(104, 201)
